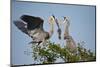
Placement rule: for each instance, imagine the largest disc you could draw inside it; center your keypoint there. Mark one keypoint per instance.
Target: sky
(82, 26)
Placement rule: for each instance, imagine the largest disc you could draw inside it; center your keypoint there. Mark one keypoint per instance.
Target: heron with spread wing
(33, 27)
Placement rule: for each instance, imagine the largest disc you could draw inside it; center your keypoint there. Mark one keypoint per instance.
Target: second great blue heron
(33, 27)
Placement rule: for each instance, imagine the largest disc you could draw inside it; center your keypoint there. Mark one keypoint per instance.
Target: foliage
(51, 52)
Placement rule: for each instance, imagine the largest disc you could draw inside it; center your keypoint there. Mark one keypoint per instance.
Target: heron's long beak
(51, 20)
(64, 17)
(53, 16)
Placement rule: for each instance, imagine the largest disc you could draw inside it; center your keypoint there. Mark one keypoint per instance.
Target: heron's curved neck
(51, 29)
(67, 24)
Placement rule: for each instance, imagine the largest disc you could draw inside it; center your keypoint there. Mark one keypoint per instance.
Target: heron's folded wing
(21, 26)
(33, 22)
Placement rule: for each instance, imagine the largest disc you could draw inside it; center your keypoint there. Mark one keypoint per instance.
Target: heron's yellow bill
(51, 20)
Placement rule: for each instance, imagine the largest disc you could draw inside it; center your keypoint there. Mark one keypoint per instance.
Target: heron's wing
(21, 26)
(32, 22)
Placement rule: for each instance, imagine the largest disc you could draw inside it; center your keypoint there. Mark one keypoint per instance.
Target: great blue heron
(69, 39)
(59, 29)
(33, 27)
